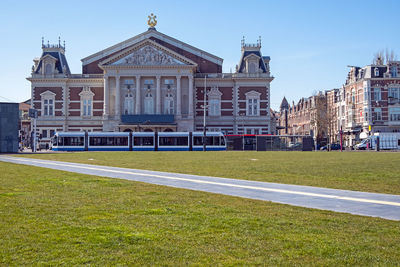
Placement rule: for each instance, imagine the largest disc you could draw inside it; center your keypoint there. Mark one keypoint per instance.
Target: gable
(206, 62)
(147, 53)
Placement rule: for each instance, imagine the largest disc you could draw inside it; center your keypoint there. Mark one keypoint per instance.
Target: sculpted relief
(148, 55)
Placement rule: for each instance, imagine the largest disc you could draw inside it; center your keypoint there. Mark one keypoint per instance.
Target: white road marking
(374, 201)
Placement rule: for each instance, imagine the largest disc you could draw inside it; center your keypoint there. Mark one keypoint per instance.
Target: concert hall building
(151, 82)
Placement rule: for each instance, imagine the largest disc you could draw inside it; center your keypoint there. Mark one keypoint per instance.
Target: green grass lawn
(369, 171)
(50, 217)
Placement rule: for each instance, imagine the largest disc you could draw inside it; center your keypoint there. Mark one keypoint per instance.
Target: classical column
(178, 96)
(106, 97)
(117, 96)
(191, 96)
(158, 95)
(138, 100)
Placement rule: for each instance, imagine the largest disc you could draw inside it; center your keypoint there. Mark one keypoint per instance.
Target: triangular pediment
(147, 53)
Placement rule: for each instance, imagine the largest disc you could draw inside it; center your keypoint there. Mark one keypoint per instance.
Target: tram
(137, 141)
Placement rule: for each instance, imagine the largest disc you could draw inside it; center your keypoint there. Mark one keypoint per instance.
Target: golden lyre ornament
(152, 22)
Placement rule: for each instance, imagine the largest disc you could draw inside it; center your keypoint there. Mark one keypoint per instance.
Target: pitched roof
(147, 35)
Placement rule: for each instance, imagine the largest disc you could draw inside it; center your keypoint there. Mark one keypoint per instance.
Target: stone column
(191, 96)
(138, 100)
(158, 95)
(178, 96)
(106, 97)
(117, 97)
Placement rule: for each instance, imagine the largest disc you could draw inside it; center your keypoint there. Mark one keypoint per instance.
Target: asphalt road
(354, 202)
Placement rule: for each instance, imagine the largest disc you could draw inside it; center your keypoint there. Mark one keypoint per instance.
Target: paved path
(360, 203)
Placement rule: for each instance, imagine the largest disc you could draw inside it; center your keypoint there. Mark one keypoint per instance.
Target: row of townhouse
(368, 103)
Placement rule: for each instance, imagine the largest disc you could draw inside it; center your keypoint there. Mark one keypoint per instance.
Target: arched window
(376, 72)
(169, 104)
(148, 103)
(128, 103)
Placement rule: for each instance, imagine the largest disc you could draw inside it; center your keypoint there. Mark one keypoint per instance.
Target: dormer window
(48, 69)
(376, 70)
(394, 71)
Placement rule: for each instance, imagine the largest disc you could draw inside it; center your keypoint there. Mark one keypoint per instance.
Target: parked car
(332, 147)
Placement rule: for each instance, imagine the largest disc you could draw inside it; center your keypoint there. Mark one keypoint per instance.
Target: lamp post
(242, 115)
(204, 112)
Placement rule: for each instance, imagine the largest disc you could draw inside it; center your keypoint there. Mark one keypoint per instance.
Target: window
(353, 96)
(252, 107)
(252, 130)
(49, 69)
(365, 94)
(44, 133)
(48, 99)
(376, 71)
(174, 141)
(86, 101)
(128, 103)
(148, 104)
(394, 114)
(48, 107)
(169, 82)
(169, 104)
(214, 102)
(394, 71)
(87, 107)
(148, 82)
(377, 94)
(394, 92)
(52, 133)
(214, 107)
(129, 82)
(377, 115)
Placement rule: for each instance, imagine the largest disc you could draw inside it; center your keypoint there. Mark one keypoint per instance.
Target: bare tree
(318, 116)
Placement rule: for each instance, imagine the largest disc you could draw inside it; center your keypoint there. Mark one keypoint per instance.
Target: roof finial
(48, 43)
(243, 41)
(64, 45)
(42, 41)
(259, 40)
(152, 22)
(59, 41)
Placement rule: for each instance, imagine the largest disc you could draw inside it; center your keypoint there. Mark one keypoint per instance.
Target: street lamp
(242, 115)
(204, 106)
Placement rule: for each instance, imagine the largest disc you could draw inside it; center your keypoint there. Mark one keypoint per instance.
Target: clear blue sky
(310, 42)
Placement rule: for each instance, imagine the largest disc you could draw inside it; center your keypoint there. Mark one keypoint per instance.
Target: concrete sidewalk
(354, 202)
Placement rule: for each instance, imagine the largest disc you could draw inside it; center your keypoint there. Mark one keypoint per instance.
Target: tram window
(198, 140)
(73, 141)
(222, 141)
(108, 141)
(173, 141)
(143, 141)
(210, 141)
(55, 141)
(60, 141)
